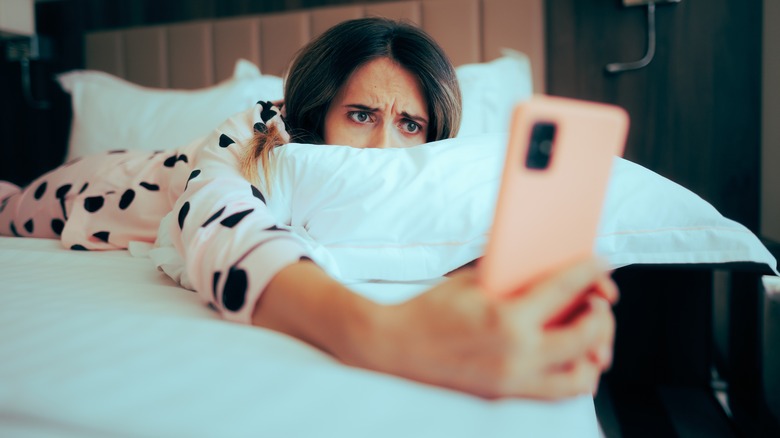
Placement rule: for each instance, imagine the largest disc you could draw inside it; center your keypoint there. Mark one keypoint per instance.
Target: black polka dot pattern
(214, 217)
(193, 175)
(13, 230)
(127, 199)
(102, 236)
(57, 225)
(149, 186)
(173, 159)
(267, 112)
(230, 284)
(215, 283)
(233, 220)
(63, 191)
(60, 194)
(256, 193)
(93, 203)
(39, 192)
(185, 209)
(234, 292)
(117, 151)
(225, 141)
(3, 204)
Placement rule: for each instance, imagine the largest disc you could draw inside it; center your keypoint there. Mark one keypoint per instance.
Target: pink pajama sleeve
(222, 227)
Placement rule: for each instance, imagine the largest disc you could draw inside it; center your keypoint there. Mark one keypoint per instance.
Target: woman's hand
(550, 341)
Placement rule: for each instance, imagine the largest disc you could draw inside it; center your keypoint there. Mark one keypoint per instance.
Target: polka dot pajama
(223, 230)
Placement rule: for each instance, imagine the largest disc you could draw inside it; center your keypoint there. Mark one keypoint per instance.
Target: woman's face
(380, 106)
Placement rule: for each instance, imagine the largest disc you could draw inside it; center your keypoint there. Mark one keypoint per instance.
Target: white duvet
(104, 345)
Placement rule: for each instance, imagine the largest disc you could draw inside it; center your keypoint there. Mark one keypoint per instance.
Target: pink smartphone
(558, 163)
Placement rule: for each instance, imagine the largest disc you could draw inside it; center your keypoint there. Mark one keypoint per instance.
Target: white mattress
(102, 344)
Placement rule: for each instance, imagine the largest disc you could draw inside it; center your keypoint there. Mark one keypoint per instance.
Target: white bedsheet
(102, 344)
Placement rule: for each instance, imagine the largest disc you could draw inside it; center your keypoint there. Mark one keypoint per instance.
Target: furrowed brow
(362, 107)
(418, 119)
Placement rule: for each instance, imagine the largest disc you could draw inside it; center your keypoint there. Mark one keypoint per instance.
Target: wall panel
(190, 55)
(237, 38)
(325, 18)
(146, 56)
(501, 24)
(105, 52)
(695, 110)
(455, 25)
(409, 11)
(282, 34)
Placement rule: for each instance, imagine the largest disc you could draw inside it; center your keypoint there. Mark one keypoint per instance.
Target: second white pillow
(110, 113)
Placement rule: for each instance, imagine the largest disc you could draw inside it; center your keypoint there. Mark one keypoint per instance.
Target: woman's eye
(411, 127)
(360, 116)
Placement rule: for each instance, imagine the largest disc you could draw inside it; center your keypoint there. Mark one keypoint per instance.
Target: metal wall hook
(619, 67)
(26, 49)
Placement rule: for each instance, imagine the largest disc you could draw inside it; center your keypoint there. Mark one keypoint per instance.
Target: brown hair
(321, 68)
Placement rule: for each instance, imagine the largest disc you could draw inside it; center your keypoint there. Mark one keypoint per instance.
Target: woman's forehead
(382, 81)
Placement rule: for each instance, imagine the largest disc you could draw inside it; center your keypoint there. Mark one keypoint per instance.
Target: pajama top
(229, 240)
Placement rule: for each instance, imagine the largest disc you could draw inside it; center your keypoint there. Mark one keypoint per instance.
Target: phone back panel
(546, 218)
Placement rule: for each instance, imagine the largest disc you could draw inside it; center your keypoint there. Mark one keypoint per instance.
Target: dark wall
(33, 140)
(695, 109)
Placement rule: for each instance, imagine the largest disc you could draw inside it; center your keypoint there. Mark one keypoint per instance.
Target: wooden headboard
(201, 53)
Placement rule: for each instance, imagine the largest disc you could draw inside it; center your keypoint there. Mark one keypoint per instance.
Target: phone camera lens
(541, 146)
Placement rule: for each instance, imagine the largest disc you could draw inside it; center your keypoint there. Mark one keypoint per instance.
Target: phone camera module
(541, 146)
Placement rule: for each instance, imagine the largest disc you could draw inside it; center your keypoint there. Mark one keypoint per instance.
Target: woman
(364, 83)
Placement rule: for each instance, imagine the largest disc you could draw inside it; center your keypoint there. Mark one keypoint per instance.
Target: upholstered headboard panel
(197, 54)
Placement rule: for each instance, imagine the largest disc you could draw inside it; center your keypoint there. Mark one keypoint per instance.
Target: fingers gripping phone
(558, 164)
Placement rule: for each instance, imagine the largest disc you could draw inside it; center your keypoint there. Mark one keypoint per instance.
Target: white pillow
(417, 213)
(110, 113)
(490, 91)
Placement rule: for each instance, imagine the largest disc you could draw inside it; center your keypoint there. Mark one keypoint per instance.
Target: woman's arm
(452, 335)
(304, 302)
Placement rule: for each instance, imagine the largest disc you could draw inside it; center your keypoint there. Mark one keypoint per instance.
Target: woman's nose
(383, 137)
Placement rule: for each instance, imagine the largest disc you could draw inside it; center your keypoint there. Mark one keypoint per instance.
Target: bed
(108, 344)
(147, 359)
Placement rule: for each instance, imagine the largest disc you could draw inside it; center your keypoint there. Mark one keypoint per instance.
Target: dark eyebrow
(361, 107)
(366, 108)
(418, 119)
